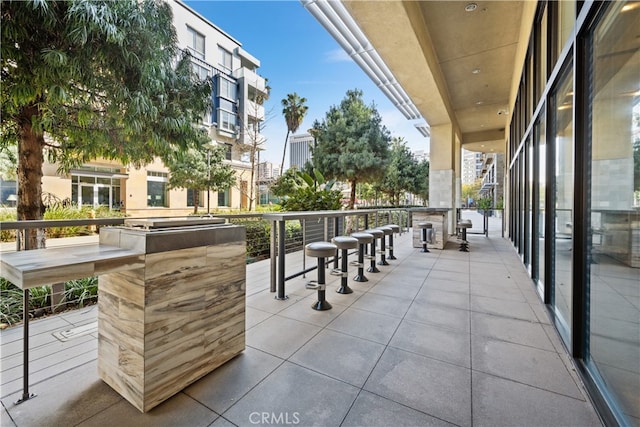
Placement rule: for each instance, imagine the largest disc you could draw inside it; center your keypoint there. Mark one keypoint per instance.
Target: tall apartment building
(268, 170)
(300, 146)
(471, 166)
(233, 121)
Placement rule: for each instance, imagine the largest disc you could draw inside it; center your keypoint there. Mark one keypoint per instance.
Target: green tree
(471, 191)
(400, 172)
(313, 194)
(420, 185)
(352, 143)
(85, 80)
(287, 183)
(201, 169)
(294, 110)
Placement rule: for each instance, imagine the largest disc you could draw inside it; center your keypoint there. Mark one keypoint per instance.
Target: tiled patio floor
(445, 338)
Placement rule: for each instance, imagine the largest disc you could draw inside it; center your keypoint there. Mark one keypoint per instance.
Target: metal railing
(268, 236)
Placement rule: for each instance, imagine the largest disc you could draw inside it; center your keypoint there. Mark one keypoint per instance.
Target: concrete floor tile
(295, 395)
(64, 400)
(528, 365)
(280, 336)
(365, 324)
(501, 307)
(436, 388)
(446, 298)
(226, 385)
(500, 402)
(383, 304)
(303, 312)
(446, 317)
(253, 316)
(374, 411)
(339, 356)
(395, 289)
(180, 410)
(512, 330)
(432, 341)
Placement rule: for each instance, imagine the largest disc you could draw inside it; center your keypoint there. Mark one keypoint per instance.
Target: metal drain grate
(68, 334)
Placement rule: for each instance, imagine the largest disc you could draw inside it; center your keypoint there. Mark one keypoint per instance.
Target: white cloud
(337, 55)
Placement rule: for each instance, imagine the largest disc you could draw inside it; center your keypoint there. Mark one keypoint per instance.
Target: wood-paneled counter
(178, 317)
(436, 216)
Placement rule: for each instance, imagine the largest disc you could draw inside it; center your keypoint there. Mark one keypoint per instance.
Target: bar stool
(396, 229)
(320, 250)
(363, 239)
(377, 234)
(344, 243)
(424, 226)
(463, 224)
(388, 231)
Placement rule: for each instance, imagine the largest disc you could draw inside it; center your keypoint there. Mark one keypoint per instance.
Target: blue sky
(298, 55)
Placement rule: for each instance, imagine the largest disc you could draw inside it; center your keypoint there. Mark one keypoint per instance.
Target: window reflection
(614, 213)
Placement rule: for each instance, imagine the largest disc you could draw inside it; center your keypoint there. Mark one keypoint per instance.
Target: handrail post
(281, 256)
(272, 256)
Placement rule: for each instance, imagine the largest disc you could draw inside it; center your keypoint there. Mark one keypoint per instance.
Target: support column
(444, 169)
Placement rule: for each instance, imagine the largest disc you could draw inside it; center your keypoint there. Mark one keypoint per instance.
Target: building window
(613, 107)
(227, 154)
(226, 121)
(193, 195)
(225, 59)
(157, 189)
(223, 198)
(196, 43)
(227, 89)
(96, 186)
(563, 190)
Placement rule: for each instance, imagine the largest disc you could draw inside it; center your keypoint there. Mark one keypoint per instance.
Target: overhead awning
(98, 174)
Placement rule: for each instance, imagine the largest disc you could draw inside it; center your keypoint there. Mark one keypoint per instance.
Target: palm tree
(294, 111)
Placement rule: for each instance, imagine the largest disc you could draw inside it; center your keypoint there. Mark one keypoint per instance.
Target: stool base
(344, 290)
(321, 305)
(360, 278)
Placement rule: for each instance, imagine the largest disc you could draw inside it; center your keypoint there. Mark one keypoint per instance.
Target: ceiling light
(475, 71)
(470, 7)
(630, 6)
(479, 102)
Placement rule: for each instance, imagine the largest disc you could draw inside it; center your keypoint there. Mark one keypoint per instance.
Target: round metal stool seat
(385, 229)
(320, 249)
(345, 242)
(377, 234)
(394, 227)
(363, 238)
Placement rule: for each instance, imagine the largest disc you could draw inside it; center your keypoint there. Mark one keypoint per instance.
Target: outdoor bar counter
(178, 317)
(439, 218)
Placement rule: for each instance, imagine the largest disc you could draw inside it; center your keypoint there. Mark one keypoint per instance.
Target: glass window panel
(541, 139)
(562, 105)
(613, 351)
(157, 189)
(225, 59)
(196, 43)
(223, 198)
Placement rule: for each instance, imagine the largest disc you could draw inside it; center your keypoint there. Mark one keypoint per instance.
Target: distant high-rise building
(471, 166)
(267, 170)
(300, 149)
